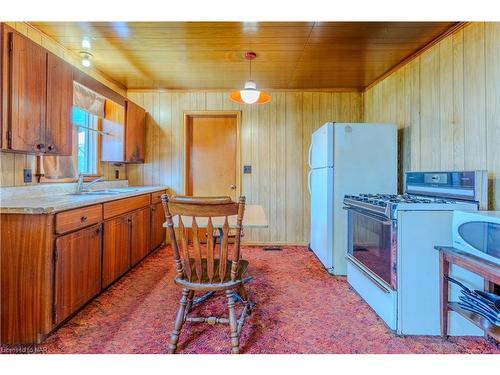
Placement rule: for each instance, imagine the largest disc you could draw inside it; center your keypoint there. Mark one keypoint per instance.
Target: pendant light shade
(250, 94)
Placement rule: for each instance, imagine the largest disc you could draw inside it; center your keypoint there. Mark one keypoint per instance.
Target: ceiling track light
(250, 94)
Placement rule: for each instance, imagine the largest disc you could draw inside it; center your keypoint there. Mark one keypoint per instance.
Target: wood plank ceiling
(209, 55)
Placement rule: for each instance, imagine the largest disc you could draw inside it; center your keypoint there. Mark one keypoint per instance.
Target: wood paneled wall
(446, 103)
(275, 139)
(12, 167)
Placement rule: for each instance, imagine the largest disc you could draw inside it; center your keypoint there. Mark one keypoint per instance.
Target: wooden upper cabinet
(113, 137)
(37, 97)
(125, 136)
(135, 133)
(3, 84)
(27, 94)
(77, 270)
(58, 130)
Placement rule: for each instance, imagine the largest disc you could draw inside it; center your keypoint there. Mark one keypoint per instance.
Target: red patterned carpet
(300, 309)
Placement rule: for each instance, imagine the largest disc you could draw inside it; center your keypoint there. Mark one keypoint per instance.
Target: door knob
(233, 187)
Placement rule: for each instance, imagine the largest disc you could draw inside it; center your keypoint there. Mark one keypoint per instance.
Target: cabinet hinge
(9, 138)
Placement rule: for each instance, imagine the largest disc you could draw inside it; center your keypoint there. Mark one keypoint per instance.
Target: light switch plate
(247, 169)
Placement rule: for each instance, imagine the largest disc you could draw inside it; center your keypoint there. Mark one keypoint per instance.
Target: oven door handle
(383, 219)
(362, 269)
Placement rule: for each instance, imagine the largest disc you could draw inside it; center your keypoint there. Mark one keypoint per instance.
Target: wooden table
(254, 217)
(488, 270)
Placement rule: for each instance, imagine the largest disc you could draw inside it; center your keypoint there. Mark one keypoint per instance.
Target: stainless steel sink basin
(123, 190)
(106, 191)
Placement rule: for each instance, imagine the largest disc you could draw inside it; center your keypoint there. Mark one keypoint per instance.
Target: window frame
(89, 176)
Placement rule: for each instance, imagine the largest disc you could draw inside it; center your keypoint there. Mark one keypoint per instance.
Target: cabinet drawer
(79, 218)
(122, 206)
(155, 197)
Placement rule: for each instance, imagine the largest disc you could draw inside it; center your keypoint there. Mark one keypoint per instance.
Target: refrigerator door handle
(310, 155)
(309, 181)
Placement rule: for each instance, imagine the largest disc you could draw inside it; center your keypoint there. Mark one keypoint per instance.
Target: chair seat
(217, 283)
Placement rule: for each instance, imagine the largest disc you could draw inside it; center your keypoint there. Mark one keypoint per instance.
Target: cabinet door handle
(98, 230)
(83, 218)
(40, 146)
(50, 147)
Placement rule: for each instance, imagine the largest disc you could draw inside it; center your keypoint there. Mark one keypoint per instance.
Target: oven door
(372, 245)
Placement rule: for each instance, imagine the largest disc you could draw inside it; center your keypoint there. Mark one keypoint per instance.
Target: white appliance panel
(321, 148)
(321, 182)
(365, 158)
(380, 300)
(418, 274)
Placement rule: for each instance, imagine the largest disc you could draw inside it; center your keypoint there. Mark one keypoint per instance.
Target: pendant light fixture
(250, 94)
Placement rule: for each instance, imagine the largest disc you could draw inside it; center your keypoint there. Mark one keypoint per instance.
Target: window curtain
(88, 100)
(65, 168)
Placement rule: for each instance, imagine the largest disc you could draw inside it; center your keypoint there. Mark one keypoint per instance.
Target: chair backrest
(181, 211)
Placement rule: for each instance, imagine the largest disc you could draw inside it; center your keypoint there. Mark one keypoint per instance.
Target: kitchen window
(87, 141)
(87, 114)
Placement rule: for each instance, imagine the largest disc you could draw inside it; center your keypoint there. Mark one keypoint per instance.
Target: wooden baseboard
(268, 243)
(273, 243)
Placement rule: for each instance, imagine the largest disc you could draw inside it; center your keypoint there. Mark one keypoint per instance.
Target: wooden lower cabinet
(77, 270)
(26, 253)
(140, 235)
(157, 230)
(53, 264)
(116, 248)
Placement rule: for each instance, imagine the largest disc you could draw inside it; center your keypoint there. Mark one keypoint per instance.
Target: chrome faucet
(81, 187)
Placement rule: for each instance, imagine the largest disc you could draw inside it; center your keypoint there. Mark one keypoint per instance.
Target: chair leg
(179, 321)
(233, 324)
(189, 303)
(246, 301)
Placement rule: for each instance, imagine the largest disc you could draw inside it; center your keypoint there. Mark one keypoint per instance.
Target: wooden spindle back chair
(208, 268)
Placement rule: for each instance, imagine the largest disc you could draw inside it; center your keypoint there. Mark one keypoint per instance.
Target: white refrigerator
(346, 159)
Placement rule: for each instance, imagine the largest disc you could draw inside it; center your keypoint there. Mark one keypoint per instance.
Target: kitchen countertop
(60, 201)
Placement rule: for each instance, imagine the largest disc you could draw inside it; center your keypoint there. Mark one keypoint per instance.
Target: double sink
(114, 191)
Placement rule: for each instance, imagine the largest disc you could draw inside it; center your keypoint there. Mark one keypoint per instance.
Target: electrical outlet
(247, 169)
(28, 176)
(117, 174)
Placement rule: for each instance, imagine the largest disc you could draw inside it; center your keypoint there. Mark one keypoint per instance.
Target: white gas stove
(389, 204)
(392, 263)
